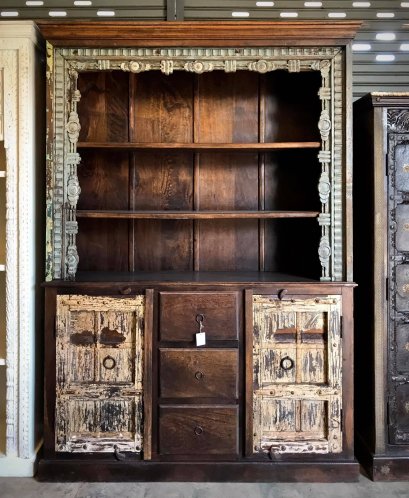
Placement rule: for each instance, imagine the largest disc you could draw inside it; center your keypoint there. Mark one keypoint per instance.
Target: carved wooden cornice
(197, 33)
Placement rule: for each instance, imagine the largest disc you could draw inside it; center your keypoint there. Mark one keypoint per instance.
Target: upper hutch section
(199, 146)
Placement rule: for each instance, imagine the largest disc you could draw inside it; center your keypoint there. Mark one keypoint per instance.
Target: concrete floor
(27, 488)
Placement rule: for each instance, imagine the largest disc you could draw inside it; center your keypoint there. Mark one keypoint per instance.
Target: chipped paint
(99, 369)
(297, 404)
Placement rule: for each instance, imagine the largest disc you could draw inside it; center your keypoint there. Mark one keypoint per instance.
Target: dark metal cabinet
(381, 155)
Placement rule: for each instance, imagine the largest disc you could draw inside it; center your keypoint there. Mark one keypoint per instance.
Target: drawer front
(180, 312)
(207, 373)
(198, 431)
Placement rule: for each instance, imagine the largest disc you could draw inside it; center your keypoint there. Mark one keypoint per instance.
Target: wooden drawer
(179, 312)
(199, 430)
(207, 373)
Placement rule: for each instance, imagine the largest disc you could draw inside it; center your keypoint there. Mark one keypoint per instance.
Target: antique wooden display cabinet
(199, 321)
(382, 254)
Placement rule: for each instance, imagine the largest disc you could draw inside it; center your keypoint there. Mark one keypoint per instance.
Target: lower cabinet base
(385, 467)
(103, 471)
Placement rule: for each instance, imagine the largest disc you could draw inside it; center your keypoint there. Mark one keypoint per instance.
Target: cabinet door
(398, 269)
(297, 375)
(99, 374)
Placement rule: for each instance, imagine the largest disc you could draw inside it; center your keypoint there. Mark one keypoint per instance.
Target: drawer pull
(109, 363)
(286, 363)
(126, 291)
(282, 293)
(199, 375)
(198, 430)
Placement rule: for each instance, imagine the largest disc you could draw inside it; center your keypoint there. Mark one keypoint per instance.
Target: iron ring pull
(198, 430)
(199, 375)
(286, 363)
(109, 363)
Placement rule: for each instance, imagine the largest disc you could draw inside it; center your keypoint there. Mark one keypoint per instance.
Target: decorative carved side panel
(297, 375)
(99, 374)
(398, 329)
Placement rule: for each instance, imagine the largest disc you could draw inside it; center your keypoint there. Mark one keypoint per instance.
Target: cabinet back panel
(291, 180)
(227, 107)
(103, 108)
(161, 107)
(103, 245)
(292, 108)
(228, 245)
(161, 245)
(213, 107)
(292, 246)
(104, 180)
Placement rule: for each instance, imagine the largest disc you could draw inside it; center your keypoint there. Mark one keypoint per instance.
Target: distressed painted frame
(74, 359)
(63, 188)
(328, 393)
(21, 47)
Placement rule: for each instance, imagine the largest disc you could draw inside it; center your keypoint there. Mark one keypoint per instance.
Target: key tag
(201, 335)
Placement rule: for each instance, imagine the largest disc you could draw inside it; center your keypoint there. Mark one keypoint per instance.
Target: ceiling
(381, 48)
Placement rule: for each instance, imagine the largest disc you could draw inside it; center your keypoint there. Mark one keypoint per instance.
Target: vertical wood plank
(132, 172)
(248, 374)
(347, 368)
(147, 377)
(196, 173)
(228, 111)
(49, 371)
(261, 169)
(163, 112)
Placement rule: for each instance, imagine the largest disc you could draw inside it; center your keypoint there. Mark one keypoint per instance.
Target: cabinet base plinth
(103, 471)
(386, 467)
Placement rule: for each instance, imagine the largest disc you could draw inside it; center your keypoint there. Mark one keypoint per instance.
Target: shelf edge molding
(199, 146)
(195, 215)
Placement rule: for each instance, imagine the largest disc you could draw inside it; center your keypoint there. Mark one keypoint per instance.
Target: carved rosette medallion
(262, 66)
(324, 253)
(198, 67)
(324, 125)
(73, 127)
(135, 66)
(324, 187)
(73, 190)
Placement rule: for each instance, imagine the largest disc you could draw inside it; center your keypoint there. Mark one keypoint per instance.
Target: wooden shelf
(195, 215)
(199, 146)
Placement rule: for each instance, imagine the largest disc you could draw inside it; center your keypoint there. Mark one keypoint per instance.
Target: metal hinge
(341, 326)
(342, 420)
(387, 288)
(388, 413)
(386, 165)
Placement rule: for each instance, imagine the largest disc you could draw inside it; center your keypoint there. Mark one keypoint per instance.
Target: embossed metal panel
(402, 227)
(99, 346)
(402, 287)
(297, 375)
(398, 331)
(402, 167)
(402, 348)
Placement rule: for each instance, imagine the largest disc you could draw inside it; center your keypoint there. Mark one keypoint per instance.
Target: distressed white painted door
(297, 375)
(99, 344)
